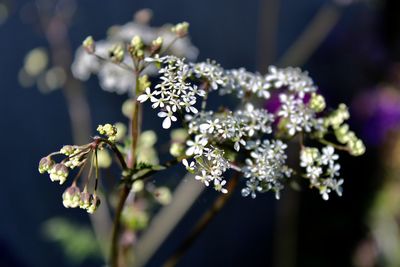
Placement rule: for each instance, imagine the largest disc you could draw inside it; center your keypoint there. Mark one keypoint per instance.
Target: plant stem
(116, 225)
(134, 132)
(204, 221)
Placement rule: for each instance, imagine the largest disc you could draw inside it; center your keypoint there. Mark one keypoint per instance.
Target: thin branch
(204, 221)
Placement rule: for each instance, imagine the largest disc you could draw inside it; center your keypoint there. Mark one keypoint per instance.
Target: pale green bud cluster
(108, 130)
(136, 47)
(156, 45)
(342, 131)
(337, 117)
(181, 29)
(69, 150)
(349, 138)
(317, 102)
(117, 53)
(89, 45)
(143, 83)
(59, 172)
(46, 164)
(73, 198)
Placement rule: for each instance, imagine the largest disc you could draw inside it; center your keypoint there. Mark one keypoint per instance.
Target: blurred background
(351, 49)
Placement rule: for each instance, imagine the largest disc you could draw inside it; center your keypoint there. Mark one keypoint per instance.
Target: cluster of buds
(76, 156)
(181, 29)
(342, 130)
(136, 47)
(116, 53)
(108, 130)
(156, 45)
(317, 102)
(73, 198)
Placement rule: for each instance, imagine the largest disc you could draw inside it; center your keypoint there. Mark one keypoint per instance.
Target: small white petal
(166, 123)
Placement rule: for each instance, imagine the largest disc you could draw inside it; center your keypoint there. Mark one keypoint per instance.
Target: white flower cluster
(232, 126)
(297, 115)
(209, 164)
(114, 78)
(294, 79)
(211, 72)
(321, 169)
(174, 92)
(266, 169)
(242, 82)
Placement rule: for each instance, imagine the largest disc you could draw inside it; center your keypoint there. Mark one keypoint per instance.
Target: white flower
(203, 177)
(314, 172)
(189, 166)
(218, 186)
(169, 116)
(196, 147)
(147, 95)
(328, 155)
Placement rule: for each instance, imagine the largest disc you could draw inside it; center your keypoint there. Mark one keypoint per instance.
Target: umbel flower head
(79, 157)
(248, 139)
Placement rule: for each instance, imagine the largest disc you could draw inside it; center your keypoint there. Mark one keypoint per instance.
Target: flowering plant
(250, 140)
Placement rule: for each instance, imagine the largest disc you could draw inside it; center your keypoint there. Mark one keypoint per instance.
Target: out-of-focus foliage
(77, 241)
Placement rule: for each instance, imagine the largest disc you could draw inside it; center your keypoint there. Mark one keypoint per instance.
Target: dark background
(356, 54)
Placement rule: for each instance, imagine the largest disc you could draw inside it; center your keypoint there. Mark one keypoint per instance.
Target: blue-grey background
(352, 57)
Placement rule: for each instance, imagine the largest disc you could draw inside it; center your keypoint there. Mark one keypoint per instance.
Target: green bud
(89, 45)
(317, 102)
(136, 47)
(177, 149)
(156, 45)
(108, 130)
(117, 53)
(143, 83)
(163, 195)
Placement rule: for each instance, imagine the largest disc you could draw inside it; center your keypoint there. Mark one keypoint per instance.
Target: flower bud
(85, 200)
(59, 172)
(156, 45)
(71, 197)
(163, 195)
(143, 83)
(317, 102)
(67, 150)
(89, 45)
(136, 46)
(117, 53)
(177, 149)
(181, 29)
(109, 130)
(45, 164)
(94, 204)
